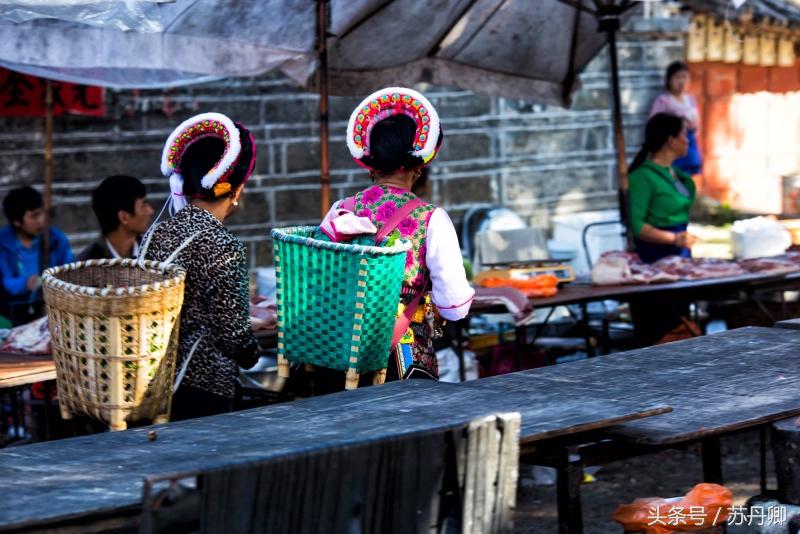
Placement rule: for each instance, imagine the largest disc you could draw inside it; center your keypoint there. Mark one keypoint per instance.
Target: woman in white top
(677, 101)
(394, 133)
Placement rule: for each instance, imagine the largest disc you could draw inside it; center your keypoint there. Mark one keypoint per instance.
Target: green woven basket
(336, 303)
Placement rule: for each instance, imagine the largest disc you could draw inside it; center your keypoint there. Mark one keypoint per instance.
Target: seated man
(124, 214)
(22, 257)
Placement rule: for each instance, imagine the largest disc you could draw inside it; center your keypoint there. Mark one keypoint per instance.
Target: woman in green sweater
(661, 195)
(660, 199)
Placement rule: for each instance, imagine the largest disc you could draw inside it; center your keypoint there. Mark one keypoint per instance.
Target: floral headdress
(386, 103)
(188, 132)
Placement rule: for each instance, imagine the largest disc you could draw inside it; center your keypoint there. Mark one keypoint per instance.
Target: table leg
(520, 340)
(712, 460)
(569, 475)
(606, 336)
(15, 411)
(459, 348)
(783, 305)
(760, 305)
(47, 411)
(587, 332)
(521, 334)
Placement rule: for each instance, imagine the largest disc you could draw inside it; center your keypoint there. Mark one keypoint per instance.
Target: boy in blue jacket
(22, 254)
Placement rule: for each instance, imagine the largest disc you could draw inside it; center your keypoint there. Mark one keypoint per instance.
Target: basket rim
(176, 273)
(285, 235)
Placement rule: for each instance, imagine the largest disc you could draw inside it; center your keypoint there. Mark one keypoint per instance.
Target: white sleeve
(452, 293)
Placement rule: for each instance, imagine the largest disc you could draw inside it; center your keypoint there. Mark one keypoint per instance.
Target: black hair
(659, 129)
(674, 68)
(115, 193)
(203, 154)
(391, 142)
(20, 201)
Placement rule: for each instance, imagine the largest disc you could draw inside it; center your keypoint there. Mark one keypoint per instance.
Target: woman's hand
(34, 282)
(685, 240)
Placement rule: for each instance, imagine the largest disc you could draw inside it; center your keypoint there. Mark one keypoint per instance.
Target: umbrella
(512, 48)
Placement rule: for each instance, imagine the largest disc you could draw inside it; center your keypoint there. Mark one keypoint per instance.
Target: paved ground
(667, 474)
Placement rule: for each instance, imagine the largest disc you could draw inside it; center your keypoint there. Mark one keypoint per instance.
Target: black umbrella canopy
(513, 48)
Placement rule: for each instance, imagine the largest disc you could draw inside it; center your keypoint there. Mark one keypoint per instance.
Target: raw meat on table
(699, 268)
(618, 268)
(31, 338)
(774, 265)
(263, 314)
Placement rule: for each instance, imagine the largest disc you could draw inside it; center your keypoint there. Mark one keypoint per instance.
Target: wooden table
(717, 385)
(102, 474)
(790, 324)
(582, 292)
(24, 369)
(18, 371)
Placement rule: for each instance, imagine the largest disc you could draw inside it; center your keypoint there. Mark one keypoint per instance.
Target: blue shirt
(18, 263)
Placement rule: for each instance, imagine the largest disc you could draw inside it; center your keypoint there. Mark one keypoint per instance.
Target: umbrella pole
(322, 83)
(609, 22)
(48, 168)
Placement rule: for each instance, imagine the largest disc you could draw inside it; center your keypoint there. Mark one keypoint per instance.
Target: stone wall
(538, 160)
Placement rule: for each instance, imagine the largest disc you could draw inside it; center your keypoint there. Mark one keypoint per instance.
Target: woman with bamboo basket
(394, 134)
(208, 160)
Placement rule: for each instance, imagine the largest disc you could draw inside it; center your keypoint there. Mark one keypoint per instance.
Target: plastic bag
(705, 506)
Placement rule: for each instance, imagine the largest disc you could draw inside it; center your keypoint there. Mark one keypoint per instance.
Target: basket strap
(145, 245)
(185, 365)
(183, 245)
(171, 258)
(402, 323)
(397, 218)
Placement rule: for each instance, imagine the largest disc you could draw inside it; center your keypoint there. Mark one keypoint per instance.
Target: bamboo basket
(114, 334)
(336, 303)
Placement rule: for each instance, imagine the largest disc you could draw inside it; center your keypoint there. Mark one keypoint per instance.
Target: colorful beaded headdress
(198, 127)
(388, 102)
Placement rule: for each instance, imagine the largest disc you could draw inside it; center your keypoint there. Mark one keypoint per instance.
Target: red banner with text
(22, 95)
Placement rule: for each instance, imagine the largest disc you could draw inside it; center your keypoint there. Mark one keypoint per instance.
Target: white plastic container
(759, 237)
(568, 230)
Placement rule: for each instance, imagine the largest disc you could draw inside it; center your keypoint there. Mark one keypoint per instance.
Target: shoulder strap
(398, 217)
(402, 322)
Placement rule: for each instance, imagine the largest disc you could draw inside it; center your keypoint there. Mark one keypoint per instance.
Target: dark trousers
(189, 402)
(656, 316)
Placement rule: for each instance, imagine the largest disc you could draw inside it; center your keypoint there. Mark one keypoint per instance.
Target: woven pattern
(336, 303)
(114, 333)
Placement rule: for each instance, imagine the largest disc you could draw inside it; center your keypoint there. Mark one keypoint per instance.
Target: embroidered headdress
(386, 103)
(217, 179)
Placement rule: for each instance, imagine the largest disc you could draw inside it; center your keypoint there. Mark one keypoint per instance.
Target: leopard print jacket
(216, 303)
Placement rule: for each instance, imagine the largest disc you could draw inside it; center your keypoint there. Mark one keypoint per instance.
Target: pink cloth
(514, 301)
(343, 225)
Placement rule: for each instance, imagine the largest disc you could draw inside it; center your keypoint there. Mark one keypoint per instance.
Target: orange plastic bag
(544, 285)
(705, 506)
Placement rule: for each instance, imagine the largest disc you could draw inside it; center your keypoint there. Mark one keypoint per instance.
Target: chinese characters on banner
(24, 96)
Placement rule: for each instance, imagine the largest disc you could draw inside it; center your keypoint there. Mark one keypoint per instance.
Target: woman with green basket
(208, 160)
(394, 133)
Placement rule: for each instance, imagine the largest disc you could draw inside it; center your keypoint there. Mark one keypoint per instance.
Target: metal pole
(322, 79)
(609, 23)
(48, 167)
